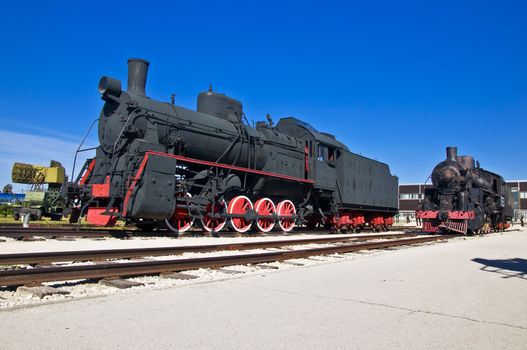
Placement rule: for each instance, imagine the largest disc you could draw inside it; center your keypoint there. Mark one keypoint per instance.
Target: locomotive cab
(357, 189)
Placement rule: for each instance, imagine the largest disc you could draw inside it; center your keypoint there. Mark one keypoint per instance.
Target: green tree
(7, 189)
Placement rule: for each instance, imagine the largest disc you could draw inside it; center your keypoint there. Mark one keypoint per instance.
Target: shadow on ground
(516, 267)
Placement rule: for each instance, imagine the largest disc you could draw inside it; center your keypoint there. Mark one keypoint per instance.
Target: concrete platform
(465, 294)
(119, 283)
(39, 291)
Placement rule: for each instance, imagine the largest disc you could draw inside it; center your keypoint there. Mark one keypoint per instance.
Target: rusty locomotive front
(465, 198)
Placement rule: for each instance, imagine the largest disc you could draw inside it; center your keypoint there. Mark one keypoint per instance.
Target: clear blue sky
(395, 80)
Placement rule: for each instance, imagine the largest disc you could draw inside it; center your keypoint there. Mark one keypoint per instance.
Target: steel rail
(18, 232)
(16, 227)
(52, 229)
(83, 255)
(49, 232)
(41, 226)
(97, 271)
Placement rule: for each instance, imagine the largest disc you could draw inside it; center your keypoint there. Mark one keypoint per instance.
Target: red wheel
(181, 220)
(239, 205)
(265, 207)
(286, 211)
(216, 222)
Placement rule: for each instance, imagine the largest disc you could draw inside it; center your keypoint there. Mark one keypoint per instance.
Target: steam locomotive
(159, 164)
(465, 198)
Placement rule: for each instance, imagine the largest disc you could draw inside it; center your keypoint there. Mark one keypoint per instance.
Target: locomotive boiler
(159, 164)
(465, 198)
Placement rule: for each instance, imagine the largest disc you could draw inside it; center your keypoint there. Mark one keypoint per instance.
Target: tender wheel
(286, 211)
(265, 207)
(216, 222)
(240, 205)
(181, 220)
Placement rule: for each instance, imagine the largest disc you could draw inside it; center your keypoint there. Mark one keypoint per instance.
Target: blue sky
(395, 80)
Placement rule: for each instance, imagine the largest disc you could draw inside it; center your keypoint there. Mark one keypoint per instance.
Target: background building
(410, 195)
(519, 193)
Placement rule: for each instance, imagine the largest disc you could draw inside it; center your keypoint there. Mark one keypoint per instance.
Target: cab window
(327, 154)
(322, 153)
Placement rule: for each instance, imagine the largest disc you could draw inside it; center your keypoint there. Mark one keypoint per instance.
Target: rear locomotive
(465, 198)
(162, 165)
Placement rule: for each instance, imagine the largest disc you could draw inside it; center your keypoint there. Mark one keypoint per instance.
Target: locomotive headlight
(110, 86)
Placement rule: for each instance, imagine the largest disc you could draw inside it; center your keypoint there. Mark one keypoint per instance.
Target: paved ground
(459, 295)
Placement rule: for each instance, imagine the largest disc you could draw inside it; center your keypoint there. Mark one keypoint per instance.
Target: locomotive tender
(465, 198)
(161, 164)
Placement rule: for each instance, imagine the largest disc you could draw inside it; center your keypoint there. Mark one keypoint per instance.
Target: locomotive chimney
(451, 154)
(137, 71)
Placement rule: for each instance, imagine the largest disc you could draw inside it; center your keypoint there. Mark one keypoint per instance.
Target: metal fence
(11, 198)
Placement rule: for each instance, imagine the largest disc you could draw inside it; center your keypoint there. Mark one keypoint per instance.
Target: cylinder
(137, 72)
(451, 153)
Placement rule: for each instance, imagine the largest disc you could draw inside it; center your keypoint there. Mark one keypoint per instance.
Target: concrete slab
(465, 294)
(32, 239)
(230, 272)
(267, 267)
(317, 258)
(40, 291)
(179, 276)
(119, 283)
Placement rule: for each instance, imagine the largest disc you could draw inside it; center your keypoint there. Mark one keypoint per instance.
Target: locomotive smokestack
(451, 153)
(137, 71)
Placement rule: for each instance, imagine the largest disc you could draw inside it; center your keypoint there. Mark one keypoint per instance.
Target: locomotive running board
(231, 167)
(456, 226)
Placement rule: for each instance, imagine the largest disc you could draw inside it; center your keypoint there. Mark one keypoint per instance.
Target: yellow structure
(37, 174)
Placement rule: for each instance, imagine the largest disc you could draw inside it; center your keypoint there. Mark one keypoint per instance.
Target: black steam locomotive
(465, 198)
(159, 164)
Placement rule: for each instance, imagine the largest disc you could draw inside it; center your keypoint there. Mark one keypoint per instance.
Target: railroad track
(20, 233)
(54, 232)
(40, 274)
(84, 255)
